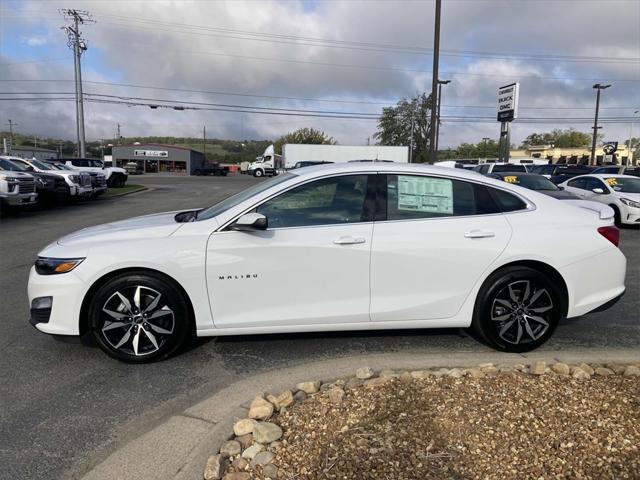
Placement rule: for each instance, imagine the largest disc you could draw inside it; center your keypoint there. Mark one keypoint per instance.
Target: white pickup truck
(116, 176)
(17, 189)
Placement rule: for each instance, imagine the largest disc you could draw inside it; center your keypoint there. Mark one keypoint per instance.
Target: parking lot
(65, 406)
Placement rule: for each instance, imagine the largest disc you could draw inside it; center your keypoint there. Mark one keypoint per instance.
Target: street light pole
(440, 83)
(598, 87)
(433, 154)
(629, 151)
(484, 147)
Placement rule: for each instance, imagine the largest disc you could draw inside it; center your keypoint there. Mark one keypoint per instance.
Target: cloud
(35, 41)
(215, 47)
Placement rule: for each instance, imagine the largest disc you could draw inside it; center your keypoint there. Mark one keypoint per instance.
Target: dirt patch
(511, 425)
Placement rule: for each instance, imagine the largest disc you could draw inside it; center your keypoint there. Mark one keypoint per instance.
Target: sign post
(507, 112)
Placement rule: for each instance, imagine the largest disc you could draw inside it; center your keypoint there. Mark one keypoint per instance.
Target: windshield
(532, 182)
(59, 166)
(624, 185)
(240, 197)
(41, 165)
(12, 166)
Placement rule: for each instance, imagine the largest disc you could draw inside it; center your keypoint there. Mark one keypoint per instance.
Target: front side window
(415, 197)
(328, 201)
(591, 183)
(580, 183)
(79, 163)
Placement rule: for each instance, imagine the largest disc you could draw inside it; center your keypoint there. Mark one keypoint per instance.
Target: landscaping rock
(538, 368)
(493, 371)
(364, 373)
(231, 448)
(262, 458)
(475, 373)
(618, 369)
(308, 387)
(587, 368)
(354, 382)
(240, 463)
(561, 368)
(270, 471)
(389, 374)
(266, 432)
(455, 373)
(244, 426)
(631, 371)
(336, 394)
(260, 409)
(216, 465)
(421, 373)
(406, 377)
(274, 446)
(285, 399)
(299, 396)
(580, 374)
(273, 400)
(245, 440)
(252, 451)
(376, 382)
(604, 372)
(237, 476)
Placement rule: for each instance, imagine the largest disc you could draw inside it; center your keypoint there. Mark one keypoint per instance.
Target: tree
(394, 125)
(304, 135)
(559, 138)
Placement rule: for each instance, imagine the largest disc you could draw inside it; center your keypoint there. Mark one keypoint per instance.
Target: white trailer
(293, 153)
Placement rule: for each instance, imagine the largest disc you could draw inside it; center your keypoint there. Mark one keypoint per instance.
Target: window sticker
(511, 179)
(423, 194)
(611, 181)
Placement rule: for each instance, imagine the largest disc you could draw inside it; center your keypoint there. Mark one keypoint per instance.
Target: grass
(112, 192)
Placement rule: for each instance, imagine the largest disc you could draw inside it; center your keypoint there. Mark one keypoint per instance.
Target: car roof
(358, 167)
(608, 175)
(519, 174)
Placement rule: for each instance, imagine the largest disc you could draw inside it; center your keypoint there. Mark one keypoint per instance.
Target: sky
(348, 56)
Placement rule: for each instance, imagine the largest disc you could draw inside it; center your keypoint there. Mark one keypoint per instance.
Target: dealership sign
(508, 102)
(151, 153)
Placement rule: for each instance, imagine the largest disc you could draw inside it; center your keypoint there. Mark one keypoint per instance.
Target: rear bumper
(609, 304)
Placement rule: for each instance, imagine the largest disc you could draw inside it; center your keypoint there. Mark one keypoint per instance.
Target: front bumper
(19, 199)
(631, 216)
(67, 291)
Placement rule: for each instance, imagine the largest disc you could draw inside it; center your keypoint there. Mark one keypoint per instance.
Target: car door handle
(349, 240)
(479, 234)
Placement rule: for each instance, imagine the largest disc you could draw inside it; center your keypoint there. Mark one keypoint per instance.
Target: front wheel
(258, 173)
(517, 309)
(139, 317)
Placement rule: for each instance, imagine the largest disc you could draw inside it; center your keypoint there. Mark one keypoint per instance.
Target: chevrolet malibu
(358, 246)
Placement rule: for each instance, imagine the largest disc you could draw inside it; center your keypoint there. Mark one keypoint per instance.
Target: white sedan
(358, 246)
(620, 192)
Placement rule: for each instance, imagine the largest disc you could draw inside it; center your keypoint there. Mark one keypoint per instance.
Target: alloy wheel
(522, 312)
(137, 321)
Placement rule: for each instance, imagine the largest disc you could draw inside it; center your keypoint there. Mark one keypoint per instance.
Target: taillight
(610, 233)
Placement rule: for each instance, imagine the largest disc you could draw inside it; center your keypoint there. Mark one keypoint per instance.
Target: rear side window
(79, 163)
(507, 202)
(416, 197)
(509, 168)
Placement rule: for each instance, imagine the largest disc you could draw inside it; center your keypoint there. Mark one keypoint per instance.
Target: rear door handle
(479, 234)
(349, 240)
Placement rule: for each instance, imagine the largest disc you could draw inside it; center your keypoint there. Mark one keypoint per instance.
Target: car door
(577, 186)
(309, 267)
(437, 237)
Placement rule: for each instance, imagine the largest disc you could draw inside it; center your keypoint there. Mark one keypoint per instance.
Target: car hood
(149, 226)
(560, 194)
(631, 196)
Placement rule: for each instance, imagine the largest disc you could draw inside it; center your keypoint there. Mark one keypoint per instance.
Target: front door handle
(479, 234)
(349, 240)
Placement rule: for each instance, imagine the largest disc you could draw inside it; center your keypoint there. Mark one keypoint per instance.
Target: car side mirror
(250, 222)
(560, 188)
(29, 168)
(598, 191)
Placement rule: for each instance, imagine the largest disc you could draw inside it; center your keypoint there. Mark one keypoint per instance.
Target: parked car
(498, 167)
(449, 249)
(618, 170)
(214, 169)
(115, 176)
(50, 188)
(17, 189)
(559, 173)
(535, 182)
(309, 164)
(620, 192)
(79, 183)
(133, 168)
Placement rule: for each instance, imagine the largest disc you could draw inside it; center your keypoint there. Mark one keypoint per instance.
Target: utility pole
(433, 154)
(440, 83)
(35, 141)
(118, 136)
(78, 45)
(204, 142)
(629, 151)
(413, 116)
(598, 87)
(11, 125)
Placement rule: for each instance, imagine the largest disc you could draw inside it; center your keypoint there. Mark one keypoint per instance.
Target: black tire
(160, 332)
(258, 173)
(617, 220)
(516, 328)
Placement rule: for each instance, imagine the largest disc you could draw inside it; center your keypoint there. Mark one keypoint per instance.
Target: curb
(178, 448)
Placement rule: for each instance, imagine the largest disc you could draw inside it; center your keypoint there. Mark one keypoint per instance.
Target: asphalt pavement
(64, 406)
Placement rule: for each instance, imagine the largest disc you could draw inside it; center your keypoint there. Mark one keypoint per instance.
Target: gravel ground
(507, 426)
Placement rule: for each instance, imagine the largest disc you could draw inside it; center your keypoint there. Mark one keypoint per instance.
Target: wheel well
(84, 309)
(549, 271)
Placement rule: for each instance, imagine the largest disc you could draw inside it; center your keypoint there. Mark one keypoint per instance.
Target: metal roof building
(158, 158)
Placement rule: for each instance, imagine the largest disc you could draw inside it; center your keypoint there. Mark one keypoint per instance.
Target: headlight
(630, 203)
(74, 178)
(7, 178)
(54, 266)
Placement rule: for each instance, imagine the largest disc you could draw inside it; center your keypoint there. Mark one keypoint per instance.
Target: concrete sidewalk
(179, 447)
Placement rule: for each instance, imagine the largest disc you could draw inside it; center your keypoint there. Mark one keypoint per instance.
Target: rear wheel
(139, 317)
(617, 219)
(517, 310)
